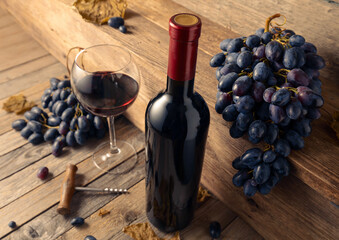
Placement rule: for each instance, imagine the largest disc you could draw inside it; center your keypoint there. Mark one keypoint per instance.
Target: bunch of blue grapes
(269, 88)
(68, 123)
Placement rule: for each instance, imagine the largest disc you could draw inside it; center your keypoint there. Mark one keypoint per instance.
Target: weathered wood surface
(32, 203)
(47, 23)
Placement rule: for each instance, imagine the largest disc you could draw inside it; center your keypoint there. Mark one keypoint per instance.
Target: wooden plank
(13, 187)
(38, 76)
(6, 19)
(239, 229)
(27, 67)
(50, 224)
(154, 68)
(36, 196)
(125, 210)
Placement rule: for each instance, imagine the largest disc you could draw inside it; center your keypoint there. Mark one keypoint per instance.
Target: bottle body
(177, 122)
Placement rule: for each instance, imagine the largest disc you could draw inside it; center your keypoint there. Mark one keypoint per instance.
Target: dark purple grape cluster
(68, 123)
(269, 88)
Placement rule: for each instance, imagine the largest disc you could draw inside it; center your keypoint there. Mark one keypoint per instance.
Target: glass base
(108, 162)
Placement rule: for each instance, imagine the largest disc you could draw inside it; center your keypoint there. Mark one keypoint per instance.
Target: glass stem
(113, 142)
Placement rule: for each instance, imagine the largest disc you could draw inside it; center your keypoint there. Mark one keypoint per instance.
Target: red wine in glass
(106, 93)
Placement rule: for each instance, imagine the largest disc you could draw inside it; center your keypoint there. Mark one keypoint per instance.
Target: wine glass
(105, 80)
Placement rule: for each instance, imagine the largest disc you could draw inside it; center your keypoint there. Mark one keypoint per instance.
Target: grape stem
(269, 19)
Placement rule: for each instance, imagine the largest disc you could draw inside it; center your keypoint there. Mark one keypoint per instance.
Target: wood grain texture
(239, 229)
(221, 149)
(51, 225)
(35, 196)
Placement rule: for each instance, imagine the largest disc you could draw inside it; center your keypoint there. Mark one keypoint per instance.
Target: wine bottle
(177, 122)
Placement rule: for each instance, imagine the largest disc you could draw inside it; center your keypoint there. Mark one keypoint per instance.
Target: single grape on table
(269, 89)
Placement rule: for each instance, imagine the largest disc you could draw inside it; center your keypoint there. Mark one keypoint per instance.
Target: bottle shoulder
(165, 113)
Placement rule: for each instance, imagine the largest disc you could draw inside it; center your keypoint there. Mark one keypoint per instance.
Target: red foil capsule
(184, 31)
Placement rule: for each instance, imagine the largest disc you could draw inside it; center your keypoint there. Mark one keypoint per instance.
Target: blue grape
(217, 60)
(230, 113)
(314, 61)
(261, 173)
(284, 124)
(274, 178)
(229, 67)
(90, 237)
(301, 60)
(281, 97)
(91, 117)
(251, 157)
(309, 48)
(53, 121)
(269, 156)
(241, 177)
(294, 139)
(258, 91)
(80, 137)
(302, 126)
(250, 188)
(63, 128)
(235, 132)
(12, 224)
(222, 102)
(71, 100)
(235, 45)
(296, 41)
(56, 95)
(64, 94)
(242, 86)
(271, 134)
(116, 22)
(70, 139)
(57, 147)
(19, 124)
(235, 98)
(244, 59)
(98, 123)
(271, 81)
(78, 221)
(64, 84)
(254, 140)
(259, 32)
(282, 147)
(60, 108)
(257, 129)
(73, 124)
(215, 229)
(287, 33)
(313, 113)
(243, 121)
(38, 111)
(282, 166)
(298, 77)
(267, 95)
(67, 114)
(266, 37)
(34, 126)
(315, 85)
(32, 116)
(232, 57)
(54, 83)
(46, 101)
(36, 138)
(62, 140)
(264, 188)
(261, 72)
(290, 58)
(259, 52)
(277, 114)
(51, 134)
(237, 164)
(226, 81)
(274, 51)
(123, 29)
(245, 104)
(26, 132)
(224, 43)
(253, 41)
(50, 106)
(294, 109)
(218, 74)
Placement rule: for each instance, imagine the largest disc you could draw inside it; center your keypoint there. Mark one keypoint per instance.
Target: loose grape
(19, 124)
(215, 229)
(42, 173)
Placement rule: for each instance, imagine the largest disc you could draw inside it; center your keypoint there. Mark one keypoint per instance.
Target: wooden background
(300, 207)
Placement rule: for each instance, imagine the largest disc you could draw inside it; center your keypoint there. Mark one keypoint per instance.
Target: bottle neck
(180, 89)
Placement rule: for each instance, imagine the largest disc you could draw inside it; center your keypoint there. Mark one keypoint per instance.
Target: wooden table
(25, 67)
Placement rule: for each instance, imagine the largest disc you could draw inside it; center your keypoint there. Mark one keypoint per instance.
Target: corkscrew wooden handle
(67, 189)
